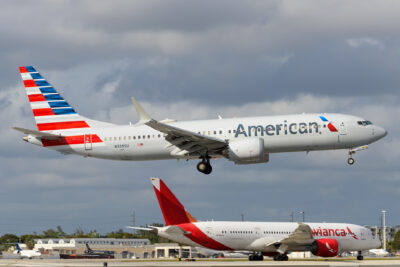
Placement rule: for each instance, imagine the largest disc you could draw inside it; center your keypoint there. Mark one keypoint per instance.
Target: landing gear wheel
(208, 169)
(204, 166)
(281, 257)
(201, 166)
(285, 257)
(256, 257)
(350, 161)
(360, 257)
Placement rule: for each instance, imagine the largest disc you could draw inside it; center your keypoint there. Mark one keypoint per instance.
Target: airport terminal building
(122, 248)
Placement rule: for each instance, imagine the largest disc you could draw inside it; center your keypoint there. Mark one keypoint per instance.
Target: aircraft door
(209, 232)
(342, 128)
(257, 231)
(363, 234)
(87, 139)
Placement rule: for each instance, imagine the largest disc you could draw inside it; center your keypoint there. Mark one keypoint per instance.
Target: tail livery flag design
(52, 112)
(173, 211)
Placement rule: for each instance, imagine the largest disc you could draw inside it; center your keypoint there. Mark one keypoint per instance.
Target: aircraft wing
(38, 134)
(302, 236)
(188, 142)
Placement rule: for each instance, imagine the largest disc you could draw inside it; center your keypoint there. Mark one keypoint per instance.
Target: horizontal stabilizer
(174, 229)
(38, 134)
(154, 230)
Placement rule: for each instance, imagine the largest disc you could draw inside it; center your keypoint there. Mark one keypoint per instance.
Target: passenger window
(159, 135)
(229, 131)
(215, 132)
(124, 137)
(144, 137)
(119, 138)
(220, 132)
(138, 137)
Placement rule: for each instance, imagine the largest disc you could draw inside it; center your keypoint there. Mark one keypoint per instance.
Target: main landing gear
(204, 166)
(256, 257)
(281, 257)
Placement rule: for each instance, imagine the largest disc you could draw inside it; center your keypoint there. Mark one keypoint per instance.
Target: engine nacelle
(326, 247)
(247, 151)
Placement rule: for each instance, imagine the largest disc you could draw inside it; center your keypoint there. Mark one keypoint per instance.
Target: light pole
(384, 229)
(304, 214)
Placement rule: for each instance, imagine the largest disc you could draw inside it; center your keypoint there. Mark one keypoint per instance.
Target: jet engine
(247, 151)
(326, 247)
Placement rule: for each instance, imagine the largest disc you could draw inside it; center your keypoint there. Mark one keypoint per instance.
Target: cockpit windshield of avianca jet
(246, 140)
(273, 239)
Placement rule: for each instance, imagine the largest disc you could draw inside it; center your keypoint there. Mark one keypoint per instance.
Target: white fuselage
(255, 236)
(28, 253)
(285, 133)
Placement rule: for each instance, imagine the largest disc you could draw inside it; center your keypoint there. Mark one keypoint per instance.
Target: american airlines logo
(333, 232)
(277, 129)
(284, 128)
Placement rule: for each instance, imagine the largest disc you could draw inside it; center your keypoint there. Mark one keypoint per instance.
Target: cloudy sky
(195, 60)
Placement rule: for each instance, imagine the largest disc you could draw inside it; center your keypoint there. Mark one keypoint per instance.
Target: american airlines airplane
(273, 239)
(241, 140)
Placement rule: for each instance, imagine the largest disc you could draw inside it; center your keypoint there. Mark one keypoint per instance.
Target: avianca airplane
(241, 140)
(274, 239)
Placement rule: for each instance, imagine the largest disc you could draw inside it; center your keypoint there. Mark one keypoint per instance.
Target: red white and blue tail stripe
(50, 109)
(53, 114)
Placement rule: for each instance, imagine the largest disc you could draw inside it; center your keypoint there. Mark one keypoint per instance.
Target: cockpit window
(364, 123)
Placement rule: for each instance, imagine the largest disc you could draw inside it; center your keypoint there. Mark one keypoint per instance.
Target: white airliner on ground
(275, 239)
(26, 253)
(241, 140)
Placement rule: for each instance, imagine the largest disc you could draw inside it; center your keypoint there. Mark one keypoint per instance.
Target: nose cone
(380, 132)
(377, 243)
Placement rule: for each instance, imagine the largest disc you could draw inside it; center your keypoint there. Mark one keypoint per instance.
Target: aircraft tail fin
(17, 247)
(51, 111)
(172, 210)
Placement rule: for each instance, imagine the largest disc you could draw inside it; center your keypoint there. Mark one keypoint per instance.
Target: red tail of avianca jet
(241, 140)
(275, 239)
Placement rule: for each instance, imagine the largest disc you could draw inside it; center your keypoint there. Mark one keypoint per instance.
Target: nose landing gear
(350, 160)
(204, 166)
(360, 257)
